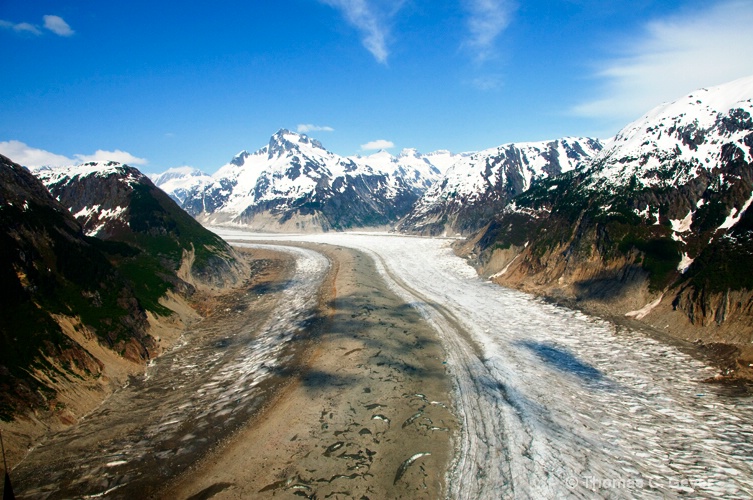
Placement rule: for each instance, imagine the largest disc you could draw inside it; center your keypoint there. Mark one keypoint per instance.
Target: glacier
(558, 404)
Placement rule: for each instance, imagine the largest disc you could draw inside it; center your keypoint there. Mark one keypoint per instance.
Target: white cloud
(672, 57)
(370, 20)
(117, 155)
(305, 128)
(487, 20)
(20, 27)
(28, 156)
(378, 144)
(32, 157)
(57, 25)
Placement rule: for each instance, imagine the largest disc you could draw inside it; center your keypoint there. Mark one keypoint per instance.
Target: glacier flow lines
(557, 404)
(192, 397)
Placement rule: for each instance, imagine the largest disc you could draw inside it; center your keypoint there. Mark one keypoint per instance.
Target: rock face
(116, 202)
(52, 272)
(658, 225)
(293, 183)
(85, 276)
(478, 186)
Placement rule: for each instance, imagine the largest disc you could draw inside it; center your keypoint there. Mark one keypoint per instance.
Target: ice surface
(557, 404)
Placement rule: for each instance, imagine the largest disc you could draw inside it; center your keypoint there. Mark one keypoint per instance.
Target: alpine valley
(104, 268)
(652, 224)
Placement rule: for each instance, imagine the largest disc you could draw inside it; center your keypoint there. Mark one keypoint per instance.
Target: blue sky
(164, 84)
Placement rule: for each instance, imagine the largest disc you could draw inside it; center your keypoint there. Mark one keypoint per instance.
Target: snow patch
(735, 215)
(86, 211)
(684, 263)
(506, 268)
(656, 216)
(645, 310)
(682, 225)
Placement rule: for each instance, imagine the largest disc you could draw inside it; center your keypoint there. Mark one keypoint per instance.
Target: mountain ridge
(657, 227)
(294, 183)
(481, 184)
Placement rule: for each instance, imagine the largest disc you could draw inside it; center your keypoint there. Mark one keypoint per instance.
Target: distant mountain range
(294, 184)
(478, 186)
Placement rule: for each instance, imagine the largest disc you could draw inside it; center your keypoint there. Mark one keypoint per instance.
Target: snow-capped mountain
(96, 193)
(181, 182)
(660, 218)
(678, 142)
(477, 186)
(420, 171)
(54, 276)
(294, 183)
(92, 262)
(117, 202)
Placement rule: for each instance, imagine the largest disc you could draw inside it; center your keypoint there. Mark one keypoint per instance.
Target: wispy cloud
(486, 21)
(372, 20)
(117, 155)
(305, 128)
(20, 27)
(57, 25)
(672, 57)
(28, 156)
(378, 144)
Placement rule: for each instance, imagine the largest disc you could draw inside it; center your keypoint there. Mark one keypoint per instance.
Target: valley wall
(618, 288)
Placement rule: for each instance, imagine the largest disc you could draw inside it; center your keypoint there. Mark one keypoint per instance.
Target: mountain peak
(176, 173)
(285, 140)
(239, 159)
(409, 152)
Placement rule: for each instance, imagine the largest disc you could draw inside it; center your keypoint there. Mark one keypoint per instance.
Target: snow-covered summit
(480, 184)
(294, 178)
(175, 173)
(54, 175)
(98, 194)
(410, 166)
(675, 142)
(285, 141)
(181, 182)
